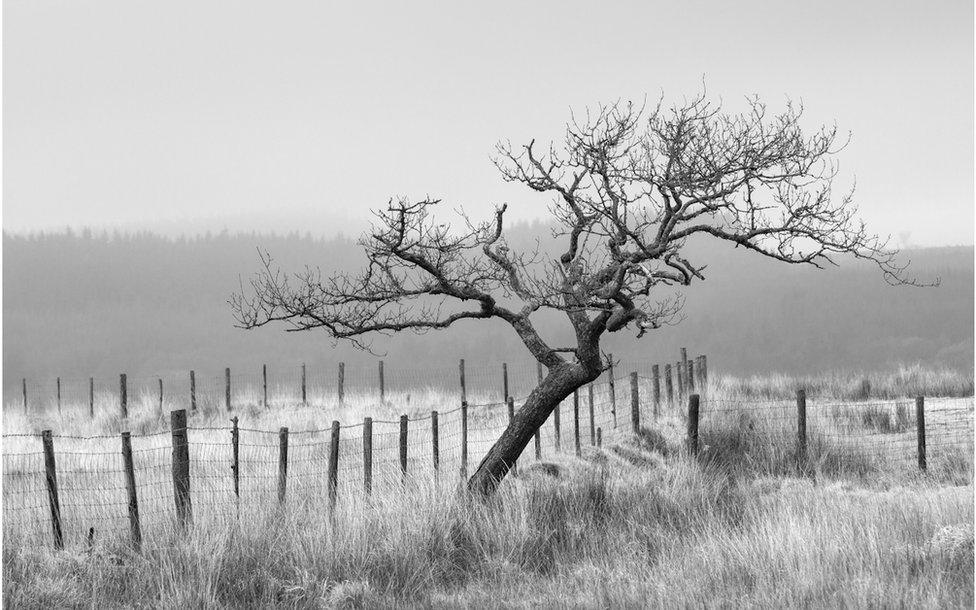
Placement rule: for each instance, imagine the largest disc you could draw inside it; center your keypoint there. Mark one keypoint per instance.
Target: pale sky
(293, 115)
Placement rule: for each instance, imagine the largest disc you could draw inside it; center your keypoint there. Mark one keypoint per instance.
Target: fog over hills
(83, 303)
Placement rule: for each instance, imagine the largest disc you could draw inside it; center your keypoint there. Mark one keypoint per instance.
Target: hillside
(82, 304)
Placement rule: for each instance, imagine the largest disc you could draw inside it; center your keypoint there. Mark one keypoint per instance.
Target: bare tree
(629, 189)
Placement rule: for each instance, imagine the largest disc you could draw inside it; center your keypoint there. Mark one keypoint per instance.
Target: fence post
(24, 382)
(599, 437)
(504, 381)
(227, 388)
(464, 389)
(181, 467)
(59, 396)
(51, 477)
(538, 445)
(264, 386)
(333, 468)
(592, 416)
(634, 403)
(403, 445)
(668, 386)
(684, 360)
(304, 395)
(576, 423)
(679, 376)
(382, 383)
(123, 396)
(801, 425)
(342, 382)
(435, 442)
(464, 439)
(691, 376)
(130, 488)
(920, 425)
(555, 424)
(282, 463)
(91, 397)
(160, 397)
(693, 424)
(704, 371)
(613, 394)
(368, 455)
(511, 416)
(235, 465)
(656, 388)
(193, 392)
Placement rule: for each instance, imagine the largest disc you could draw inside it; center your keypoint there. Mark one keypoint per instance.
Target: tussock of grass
(609, 531)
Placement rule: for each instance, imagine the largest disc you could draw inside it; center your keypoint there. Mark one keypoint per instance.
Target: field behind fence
(134, 487)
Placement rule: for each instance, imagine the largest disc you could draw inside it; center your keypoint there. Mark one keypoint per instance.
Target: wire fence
(83, 484)
(311, 385)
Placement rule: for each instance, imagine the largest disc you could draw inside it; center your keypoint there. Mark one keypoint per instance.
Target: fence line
(141, 486)
(300, 385)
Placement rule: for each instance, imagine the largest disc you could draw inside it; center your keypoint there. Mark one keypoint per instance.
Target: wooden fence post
(668, 386)
(576, 423)
(91, 397)
(227, 388)
(304, 394)
(691, 376)
(282, 463)
(24, 382)
(504, 381)
(264, 386)
(801, 425)
(693, 424)
(634, 403)
(51, 478)
(555, 424)
(920, 426)
(435, 442)
(538, 445)
(59, 396)
(333, 468)
(404, 420)
(123, 396)
(464, 389)
(704, 371)
(679, 376)
(592, 415)
(464, 439)
(511, 415)
(181, 467)
(382, 383)
(684, 362)
(368, 455)
(130, 488)
(599, 437)
(613, 393)
(342, 382)
(160, 397)
(235, 465)
(656, 388)
(193, 392)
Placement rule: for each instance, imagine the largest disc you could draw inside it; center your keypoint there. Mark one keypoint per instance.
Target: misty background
(79, 304)
(150, 149)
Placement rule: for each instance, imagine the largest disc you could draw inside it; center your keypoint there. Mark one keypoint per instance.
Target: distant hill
(79, 304)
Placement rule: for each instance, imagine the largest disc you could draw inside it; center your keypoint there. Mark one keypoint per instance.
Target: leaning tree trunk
(556, 386)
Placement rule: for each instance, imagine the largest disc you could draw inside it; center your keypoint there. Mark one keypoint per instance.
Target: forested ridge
(97, 303)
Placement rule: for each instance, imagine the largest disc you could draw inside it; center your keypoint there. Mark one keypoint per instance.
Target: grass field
(636, 522)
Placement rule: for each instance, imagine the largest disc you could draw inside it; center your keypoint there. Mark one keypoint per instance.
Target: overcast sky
(288, 115)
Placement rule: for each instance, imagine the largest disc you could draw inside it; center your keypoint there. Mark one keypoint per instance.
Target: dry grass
(636, 523)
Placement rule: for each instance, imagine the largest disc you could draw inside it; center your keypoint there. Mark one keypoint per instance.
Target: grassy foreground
(633, 524)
